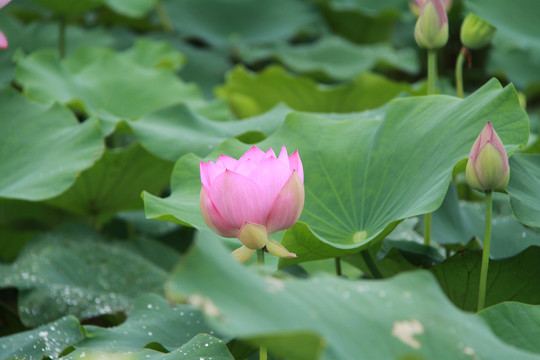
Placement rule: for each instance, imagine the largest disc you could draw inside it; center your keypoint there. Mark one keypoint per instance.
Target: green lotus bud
(476, 32)
(487, 168)
(431, 30)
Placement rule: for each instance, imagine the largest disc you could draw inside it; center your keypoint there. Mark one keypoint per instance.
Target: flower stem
(371, 264)
(459, 73)
(431, 79)
(263, 354)
(427, 229)
(432, 71)
(260, 256)
(164, 17)
(485, 252)
(62, 37)
(338, 266)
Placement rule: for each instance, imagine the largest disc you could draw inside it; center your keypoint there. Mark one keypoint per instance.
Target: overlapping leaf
(74, 271)
(31, 168)
(251, 94)
(340, 319)
(523, 188)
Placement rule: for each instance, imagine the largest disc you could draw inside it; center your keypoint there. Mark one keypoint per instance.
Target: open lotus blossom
(487, 168)
(253, 197)
(3, 39)
(431, 30)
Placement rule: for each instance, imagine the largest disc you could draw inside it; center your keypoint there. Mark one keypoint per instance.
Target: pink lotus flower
(3, 39)
(487, 168)
(253, 197)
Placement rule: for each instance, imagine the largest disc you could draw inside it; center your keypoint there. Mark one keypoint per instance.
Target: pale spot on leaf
(406, 330)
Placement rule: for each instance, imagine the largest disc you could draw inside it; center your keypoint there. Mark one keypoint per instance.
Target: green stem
(431, 80)
(427, 229)
(338, 266)
(432, 71)
(371, 264)
(164, 17)
(485, 252)
(260, 256)
(62, 38)
(459, 73)
(263, 354)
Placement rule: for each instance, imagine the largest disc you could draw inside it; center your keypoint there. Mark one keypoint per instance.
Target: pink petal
(296, 164)
(3, 41)
(211, 171)
(254, 154)
(4, 3)
(441, 11)
(270, 154)
(227, 162)
(288, 205)
(212, 218)
(271, 175)
(238, 199)
(283, 156)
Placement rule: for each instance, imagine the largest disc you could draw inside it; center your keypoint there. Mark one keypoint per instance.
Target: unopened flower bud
(476, 32)
(487, 168)
(431, 30)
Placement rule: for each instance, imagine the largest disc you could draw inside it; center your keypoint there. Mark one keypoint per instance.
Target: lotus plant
(487, 170)
(253, 197)
(3, 39)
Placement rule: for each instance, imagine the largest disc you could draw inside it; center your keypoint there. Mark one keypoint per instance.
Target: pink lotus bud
(431, 30)
(253, 197)
(487, 168)
(3, 39)
(416, 6)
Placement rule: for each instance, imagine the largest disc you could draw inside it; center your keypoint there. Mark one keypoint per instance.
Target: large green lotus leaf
(115, 183)
(362, 175)
(458, 222)
(31, 168)
(72, 270)
(177, 130)
(407, 315)
(523, 188)
(101, 83)
(202, 346)
(515, 323)
(251, 94)
(335, 58)
(513, 279)
(222, 23)
(131, 8)
(47, 340)
(152, 320)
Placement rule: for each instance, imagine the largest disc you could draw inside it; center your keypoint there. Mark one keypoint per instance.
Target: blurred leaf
(202, 346)
(177, 130)
(457, 222)
(222, 23)
(74, 271)
(391, 319)
(69, 8)
(101, 83)
(31, 168)
(152, 320)
(363, 21)
(251, 94)
(365, 175)
(131, 8)
(155, 54)
(523, 188)
(47, 340)
(115, 183)
(515, 323)
(334, 58)
(459, 276)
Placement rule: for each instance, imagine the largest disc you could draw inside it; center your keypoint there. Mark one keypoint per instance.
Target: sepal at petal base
(278, 250)
(253, 236)
(243, 254)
